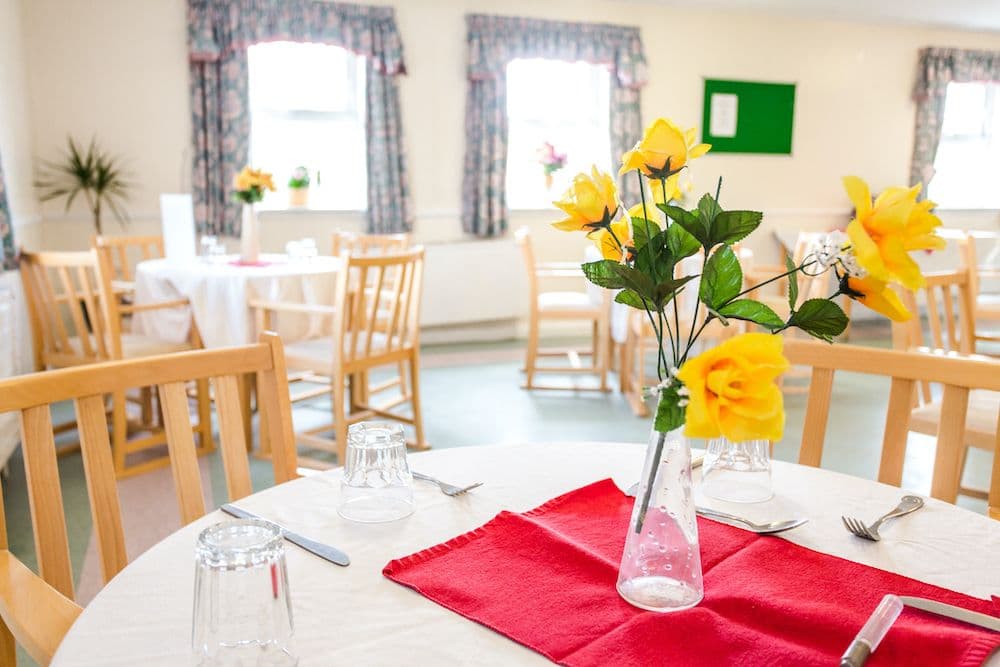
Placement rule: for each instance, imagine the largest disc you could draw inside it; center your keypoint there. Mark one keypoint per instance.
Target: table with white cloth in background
(220, 290)
(355, 616)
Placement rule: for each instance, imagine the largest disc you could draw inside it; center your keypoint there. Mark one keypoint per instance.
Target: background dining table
(219, 290)
(354, 615)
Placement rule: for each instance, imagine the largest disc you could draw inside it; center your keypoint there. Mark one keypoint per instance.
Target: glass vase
(737, 472)
(661, 563)
(250, 236)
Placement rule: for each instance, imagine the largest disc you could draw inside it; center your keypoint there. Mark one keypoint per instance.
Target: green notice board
(748, 117)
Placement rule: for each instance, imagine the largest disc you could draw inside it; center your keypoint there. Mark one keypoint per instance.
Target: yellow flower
(590, 202)
(608, 245)
(732, 392)
(878, 296)
(882, 234)
(250, 178)
(664, 150)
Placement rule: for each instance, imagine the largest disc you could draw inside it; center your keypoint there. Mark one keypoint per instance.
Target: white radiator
(10, 434)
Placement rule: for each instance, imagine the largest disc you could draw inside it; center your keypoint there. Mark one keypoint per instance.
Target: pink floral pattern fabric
(935, 70)
(8, 251)
(496, 40)
(219, 34)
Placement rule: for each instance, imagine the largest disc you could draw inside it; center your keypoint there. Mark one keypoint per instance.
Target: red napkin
(546, 579)
(259, 262)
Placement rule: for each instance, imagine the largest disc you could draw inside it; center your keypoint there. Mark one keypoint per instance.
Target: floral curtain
(219, 34)
(935, 70)
(496, 40)
(8, 251)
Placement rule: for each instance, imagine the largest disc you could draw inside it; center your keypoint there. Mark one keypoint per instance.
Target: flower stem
(677, 318)
(661, 438)
(769, 281)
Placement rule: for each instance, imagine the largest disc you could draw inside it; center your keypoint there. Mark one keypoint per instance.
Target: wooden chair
(948, 298)
(121, 253)
(375, 315)
(38, 609)
(959, 376)
(985, 307)
(368, 244)
(563, 306)
(74, 322)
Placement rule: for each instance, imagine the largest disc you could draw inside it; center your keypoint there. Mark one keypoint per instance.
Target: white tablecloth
(219, 292)
(355, 616)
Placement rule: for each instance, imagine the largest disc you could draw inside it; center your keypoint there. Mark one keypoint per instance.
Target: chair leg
(531, 353)
(418, 418)
(204, 400)
(8, 647)
(337, 389)
(146, 403)
(119, 431)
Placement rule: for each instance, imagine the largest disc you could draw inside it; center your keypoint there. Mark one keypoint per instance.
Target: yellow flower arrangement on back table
(730, 390)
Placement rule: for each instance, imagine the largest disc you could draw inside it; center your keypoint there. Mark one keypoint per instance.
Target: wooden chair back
(72, 322)
(368, 244)
(949, 302)
(523, 238)
(958, 375)
(33, 395)
(381, 320)
(124, 252)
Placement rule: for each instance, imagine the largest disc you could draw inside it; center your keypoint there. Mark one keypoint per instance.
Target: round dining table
(354, 615)
(220, 289)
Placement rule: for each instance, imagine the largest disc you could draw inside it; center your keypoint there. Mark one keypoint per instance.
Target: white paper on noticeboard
(722, 114)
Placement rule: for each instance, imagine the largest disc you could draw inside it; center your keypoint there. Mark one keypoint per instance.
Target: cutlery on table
(324, 551)
(446, 489)
(906, 505)
(953, 612)
(872, 632)
(769, 528)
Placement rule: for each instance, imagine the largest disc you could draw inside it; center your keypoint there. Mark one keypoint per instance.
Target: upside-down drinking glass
(242, 610)
(377, 484)
(738, 472)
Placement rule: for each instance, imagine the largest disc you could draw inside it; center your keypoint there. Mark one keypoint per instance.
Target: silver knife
(324, 551)
(951, 611)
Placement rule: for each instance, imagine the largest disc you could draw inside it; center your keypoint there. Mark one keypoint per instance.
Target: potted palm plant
(92, 173)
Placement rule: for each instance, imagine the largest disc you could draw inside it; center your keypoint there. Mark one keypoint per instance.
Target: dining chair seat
(980, 421)
(549, 301)
(317, 353)
(988, 305)
(137, 345)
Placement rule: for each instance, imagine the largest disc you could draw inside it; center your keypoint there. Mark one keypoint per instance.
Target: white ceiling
(966, 14)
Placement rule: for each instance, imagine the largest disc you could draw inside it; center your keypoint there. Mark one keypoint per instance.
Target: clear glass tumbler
(738, 472)
(377, 484)
(242, 609)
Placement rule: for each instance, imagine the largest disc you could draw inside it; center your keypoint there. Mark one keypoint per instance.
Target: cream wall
(117, 69)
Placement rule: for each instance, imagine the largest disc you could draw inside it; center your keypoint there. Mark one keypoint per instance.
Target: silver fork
(906, 505)
(446, 489)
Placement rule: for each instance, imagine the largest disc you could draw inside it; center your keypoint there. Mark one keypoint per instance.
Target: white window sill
(307, 210)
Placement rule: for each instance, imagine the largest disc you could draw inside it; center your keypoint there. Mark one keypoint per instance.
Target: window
(967, 166)
(307, 108)
(561, 103)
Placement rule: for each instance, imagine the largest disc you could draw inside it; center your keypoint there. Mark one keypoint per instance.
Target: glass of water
(377, 484)
(242, 609)
(738, 472)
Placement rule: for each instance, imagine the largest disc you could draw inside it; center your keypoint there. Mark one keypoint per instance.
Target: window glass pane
(967, 165)
(562, 103)
(307, 109)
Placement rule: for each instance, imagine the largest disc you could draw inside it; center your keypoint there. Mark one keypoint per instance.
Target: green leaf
(732, 226)
(603, 274)
(722, 279)
(667, 289)
(643, 230)
(793, 283)
(656, 259)
(752, 311)
(669, 415)
(630, 298)
(689, 220)
(821, 318)
(709, 210)
(681, 243)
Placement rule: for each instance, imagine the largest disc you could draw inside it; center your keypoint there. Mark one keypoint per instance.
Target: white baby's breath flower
(682, 403)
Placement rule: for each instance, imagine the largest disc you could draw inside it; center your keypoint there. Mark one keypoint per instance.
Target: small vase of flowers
(249, 187)
(298, 188)
(551, 162)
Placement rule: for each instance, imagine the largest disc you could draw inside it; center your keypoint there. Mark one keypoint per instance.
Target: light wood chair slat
(958, 374)
(37, 610)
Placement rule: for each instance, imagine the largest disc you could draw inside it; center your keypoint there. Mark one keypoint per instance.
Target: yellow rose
(250, 178)
(882, 234)
(664, 150)
(731, 389)
(878, 296)
(243, 180)
(611, 246)
(590, 202)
